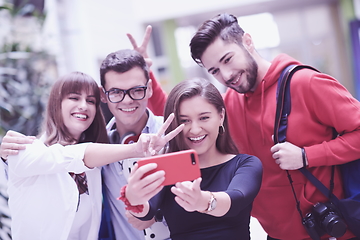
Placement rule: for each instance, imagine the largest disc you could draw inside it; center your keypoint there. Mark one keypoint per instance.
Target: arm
(39, 159)
(13, 142)
(158, 99)
(137, 223)
(241, 191)
(190, 197)
(148, 144)
(245, 184)
(141, 189)
(335, 107)
(325, 105)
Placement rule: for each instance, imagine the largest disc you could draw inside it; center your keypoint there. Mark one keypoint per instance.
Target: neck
(263, 67)
(211, 158)
(134, 128)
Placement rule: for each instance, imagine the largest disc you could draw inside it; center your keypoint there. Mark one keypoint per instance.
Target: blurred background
(41, 40)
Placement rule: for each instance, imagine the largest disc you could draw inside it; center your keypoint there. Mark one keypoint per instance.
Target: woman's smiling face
(202, 121)
(78, 112)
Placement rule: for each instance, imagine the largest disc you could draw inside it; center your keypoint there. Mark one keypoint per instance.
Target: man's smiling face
(231, 64)
(129, 113)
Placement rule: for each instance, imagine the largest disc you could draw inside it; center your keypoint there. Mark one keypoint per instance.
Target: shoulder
(243, 160)
(307, 76)
(154, 122)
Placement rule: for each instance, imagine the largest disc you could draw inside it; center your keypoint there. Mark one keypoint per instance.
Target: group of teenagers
(242, 170)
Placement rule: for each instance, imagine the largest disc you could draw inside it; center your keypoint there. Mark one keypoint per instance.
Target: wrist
(304, 158)
(128, 206)
(211, 203)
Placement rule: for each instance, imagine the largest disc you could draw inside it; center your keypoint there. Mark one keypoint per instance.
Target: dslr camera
(324, 219)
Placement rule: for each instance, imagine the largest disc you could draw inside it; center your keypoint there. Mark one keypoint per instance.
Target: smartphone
(178, 166)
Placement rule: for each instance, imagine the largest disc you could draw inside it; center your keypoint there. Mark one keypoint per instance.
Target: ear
(149, 91)
(103, 97)
(248, 43)
(222, 116)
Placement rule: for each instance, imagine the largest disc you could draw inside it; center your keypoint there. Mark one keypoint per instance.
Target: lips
(80, 116)
(234, 81)
(128, 109)
(197, 139)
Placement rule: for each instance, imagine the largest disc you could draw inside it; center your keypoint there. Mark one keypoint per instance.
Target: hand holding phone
(178, 166)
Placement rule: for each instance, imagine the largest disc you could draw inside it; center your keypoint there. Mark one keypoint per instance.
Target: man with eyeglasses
(127, 87)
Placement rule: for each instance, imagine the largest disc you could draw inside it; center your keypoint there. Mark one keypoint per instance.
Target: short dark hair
(188, 89)
(122, 61)
(224, 26)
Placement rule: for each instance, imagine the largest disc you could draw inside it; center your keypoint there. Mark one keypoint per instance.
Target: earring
(221, 130)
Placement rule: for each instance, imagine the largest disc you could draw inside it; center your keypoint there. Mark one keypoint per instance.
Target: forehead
(195, 106)
(216, 51)
(132, 78)
(78, 87)
(86, 93)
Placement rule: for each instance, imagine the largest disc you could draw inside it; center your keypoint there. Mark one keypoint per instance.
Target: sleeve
(245, 184)
(333, 106)
(157, 101)
(5, 166)
(154, 205)
(39, 159)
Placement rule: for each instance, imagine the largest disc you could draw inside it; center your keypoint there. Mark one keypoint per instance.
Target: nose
(226, 74)
(83, 104)
(127, 98)
(195, 128)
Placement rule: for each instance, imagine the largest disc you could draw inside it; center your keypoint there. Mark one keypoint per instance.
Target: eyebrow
(79, 94)
(203, 113)
(221, 59)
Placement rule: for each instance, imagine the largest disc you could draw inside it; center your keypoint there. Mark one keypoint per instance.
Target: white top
(43, 197)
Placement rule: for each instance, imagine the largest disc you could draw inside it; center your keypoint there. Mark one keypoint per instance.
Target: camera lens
(334, 225)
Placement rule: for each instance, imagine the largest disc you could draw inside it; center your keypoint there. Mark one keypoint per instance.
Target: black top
(240, 178)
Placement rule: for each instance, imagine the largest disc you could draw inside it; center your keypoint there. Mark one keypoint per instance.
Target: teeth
(78, 115)
(128, 109)
(236, 81)
(198, 138)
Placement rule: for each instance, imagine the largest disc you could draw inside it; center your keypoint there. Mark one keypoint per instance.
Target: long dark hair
(54, 127)
(189, 89)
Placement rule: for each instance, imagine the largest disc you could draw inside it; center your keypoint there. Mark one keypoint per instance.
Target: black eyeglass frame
(127, 92)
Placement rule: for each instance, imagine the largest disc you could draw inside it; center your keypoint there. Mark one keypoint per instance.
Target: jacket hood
(277, 65)
(271, 77)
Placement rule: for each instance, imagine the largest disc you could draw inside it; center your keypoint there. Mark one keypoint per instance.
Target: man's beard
(251, 76)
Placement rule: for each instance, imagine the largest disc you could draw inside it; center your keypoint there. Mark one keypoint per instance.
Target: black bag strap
(283, 109)
(283, 106)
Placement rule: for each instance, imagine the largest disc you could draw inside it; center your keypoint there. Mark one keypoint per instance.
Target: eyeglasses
(116, 95)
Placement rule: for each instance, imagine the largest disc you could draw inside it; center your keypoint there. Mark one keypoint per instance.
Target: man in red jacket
(319, 105)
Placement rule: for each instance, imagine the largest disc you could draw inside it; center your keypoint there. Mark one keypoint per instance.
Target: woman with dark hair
(217, 205)
(54, 184)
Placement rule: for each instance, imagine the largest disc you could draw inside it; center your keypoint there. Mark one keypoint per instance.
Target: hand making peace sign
(142, 49)
(150, 144)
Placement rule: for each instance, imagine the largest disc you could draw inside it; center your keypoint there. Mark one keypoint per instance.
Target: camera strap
(319, 185)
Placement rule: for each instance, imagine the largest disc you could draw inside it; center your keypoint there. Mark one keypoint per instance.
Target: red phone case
(178, 166)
